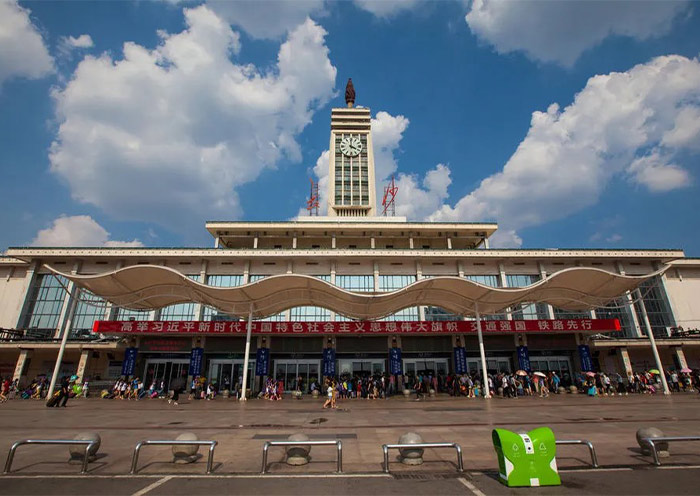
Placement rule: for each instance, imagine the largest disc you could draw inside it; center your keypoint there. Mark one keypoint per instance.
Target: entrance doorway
(361, 367)
(169, 372)
(559, 364)
(227, 374)
(493, 365)
(291, 371)
(435, 366)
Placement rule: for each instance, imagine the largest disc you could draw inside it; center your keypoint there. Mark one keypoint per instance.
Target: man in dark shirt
(63, 396)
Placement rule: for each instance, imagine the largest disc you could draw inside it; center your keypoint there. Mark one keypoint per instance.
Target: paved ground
(241, 430)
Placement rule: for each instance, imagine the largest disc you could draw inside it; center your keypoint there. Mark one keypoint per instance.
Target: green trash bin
(526, 460)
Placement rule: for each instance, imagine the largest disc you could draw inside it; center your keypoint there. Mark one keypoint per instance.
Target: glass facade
(392, 283)
(88, 309)
(180, 311)
(526, 311)
(657, 307)
(618, 309)
(567, 314)
(355, 283)
(311, 313)
(437, 313)
(126, 314)
(46, 301)
(492, 281)
(221, 281)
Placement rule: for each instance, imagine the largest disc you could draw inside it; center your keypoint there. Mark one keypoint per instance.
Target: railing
(457, 447)
(325, 442)
(591, 449)
(651, 441)
(168, 442)
(88, 445)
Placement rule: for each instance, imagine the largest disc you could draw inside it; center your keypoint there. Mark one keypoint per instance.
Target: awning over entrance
(149, 287)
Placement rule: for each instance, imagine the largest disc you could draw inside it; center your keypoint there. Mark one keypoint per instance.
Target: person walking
(63, 392)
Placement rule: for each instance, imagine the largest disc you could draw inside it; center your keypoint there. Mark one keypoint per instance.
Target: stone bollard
(226, 394)
(561, 390)
(573, 389)
(661, 448)
(77, 451)
(185, 453)
(411, 456)
(298, 455)
(314, 394)
(406, 393)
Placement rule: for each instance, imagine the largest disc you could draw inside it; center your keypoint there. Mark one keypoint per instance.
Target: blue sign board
(196, 358)
(395, 364)
(524, 359)
(328, 362)
(584, 352)
(460, 360)
(262, 361)
(129, 363)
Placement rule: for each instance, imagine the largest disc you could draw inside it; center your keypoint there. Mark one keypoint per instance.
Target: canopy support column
(652, 341)
(73, 295)
(484, 372)
(249, 331)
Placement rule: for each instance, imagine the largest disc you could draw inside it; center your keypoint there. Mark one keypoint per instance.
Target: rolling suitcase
(54, 400)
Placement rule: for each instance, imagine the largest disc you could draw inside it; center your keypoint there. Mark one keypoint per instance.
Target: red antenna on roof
(312, 202)
(389, 196)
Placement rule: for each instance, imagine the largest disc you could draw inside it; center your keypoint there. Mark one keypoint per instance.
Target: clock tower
(351, 185)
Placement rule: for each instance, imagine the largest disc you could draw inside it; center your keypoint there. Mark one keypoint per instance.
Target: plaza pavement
(363, 426)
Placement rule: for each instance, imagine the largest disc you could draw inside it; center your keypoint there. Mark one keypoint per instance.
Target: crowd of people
(371, 387)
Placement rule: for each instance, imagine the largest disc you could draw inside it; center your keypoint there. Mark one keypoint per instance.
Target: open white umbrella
(520, 372)
(540, 374)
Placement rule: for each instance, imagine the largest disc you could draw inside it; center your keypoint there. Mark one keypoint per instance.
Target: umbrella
(540, 374)
(686, 370)
(520, 372)
(654, 371)
(590, 374)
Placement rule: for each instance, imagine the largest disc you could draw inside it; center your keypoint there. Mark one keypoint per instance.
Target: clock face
(351, 146)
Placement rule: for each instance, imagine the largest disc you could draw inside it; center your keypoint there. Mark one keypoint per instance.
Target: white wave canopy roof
(149, 287)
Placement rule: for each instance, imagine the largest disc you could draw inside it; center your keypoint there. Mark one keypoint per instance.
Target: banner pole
(485, 378)
(246, 357)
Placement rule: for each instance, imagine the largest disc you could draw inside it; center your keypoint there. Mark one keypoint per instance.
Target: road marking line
(584, 470)
(199, 476)
(149, 487)
(475, 491)
(676, 467)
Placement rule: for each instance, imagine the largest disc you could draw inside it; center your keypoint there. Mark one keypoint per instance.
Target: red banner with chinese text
(310, 328)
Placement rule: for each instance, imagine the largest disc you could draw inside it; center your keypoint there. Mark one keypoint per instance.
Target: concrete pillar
(333, 241)
(29, 282)
(486, 243)
(21, 362)
(543, 275)
(332, 281)
(419, 276)
(376, 276)
(460, 269)
(246, 272)
(680, 357)
(294, 241)
(217, 242)
(372, 243)
(199, 308)
(449, 243)
(625, 362)
(504, 284)
(255, 242)
(82, 365)
(410, 243)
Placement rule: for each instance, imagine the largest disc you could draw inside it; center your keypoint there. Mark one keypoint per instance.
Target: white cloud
(269, 18)
(386, 8)
(655, 173)
(560, 31)
(615, 238)
(505, 238)
(686, 130)
(616, 126)
(78, 230)
(67, 44)
(417, 201)
(166, 134)
(22, 49)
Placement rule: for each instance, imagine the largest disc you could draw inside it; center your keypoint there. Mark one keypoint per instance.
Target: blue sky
(570, 124)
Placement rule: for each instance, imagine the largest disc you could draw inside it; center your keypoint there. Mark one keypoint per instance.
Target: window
(526, 311)
(310, 314)
(567, 314)
(88, 309)
(355, 283)
(179, 311)
(46, 302)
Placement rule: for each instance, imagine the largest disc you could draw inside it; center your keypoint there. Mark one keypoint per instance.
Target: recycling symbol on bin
(515, 447)
(543, 447)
